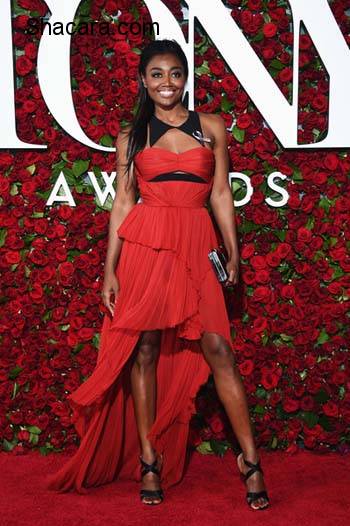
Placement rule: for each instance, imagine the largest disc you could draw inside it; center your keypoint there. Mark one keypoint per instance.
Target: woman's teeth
(166, 93)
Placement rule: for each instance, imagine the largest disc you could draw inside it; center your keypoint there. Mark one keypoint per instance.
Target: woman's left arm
(221, 199)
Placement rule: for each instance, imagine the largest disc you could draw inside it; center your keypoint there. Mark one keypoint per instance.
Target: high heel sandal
(252, 496)
(150, 493)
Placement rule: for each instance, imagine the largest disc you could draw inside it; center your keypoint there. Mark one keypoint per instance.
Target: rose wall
(290, 311)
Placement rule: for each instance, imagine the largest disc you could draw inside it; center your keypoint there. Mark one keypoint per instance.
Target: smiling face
(165, 80)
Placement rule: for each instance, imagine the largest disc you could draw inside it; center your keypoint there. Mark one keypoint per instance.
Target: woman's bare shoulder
(211, 119)
(213, 125)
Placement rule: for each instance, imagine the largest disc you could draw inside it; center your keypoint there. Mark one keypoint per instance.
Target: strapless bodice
(153, 161)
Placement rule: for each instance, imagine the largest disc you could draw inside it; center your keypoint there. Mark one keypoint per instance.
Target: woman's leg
(143, 384)
(230, 389)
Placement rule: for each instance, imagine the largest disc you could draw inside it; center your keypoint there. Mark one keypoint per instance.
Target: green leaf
(277, 64)
(34, 429)
(297, 175)
(286, 337)
(203, 69)
(341, 392)
(238, 134)
(14, 189)
(261, 392)
(31, 168)
(33, 438)
(325, 204)
(204, 448)
(274, 442)
(96, 340)
(310, 222)
(226, 105)
(325, 423)
(281, 234)
(310, 418)
(259, 409)
(8, 446)
(265, 338)
(80, 166)
(322, 337)
(321, 396)
(106, 140)
(15, 372)
(3, 234)
(15, 390)
(258, 37)
(219, 447)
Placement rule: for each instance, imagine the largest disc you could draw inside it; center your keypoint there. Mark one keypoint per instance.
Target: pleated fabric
(166, 282)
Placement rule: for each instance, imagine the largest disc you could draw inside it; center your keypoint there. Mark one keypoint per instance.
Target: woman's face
(165, 79)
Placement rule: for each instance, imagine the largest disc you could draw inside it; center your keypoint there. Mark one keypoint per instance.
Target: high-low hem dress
(166, 282)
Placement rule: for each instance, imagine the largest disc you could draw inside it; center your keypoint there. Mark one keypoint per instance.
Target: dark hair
(145, 105)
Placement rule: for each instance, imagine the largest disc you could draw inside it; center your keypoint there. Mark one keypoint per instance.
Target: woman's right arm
(125, 199)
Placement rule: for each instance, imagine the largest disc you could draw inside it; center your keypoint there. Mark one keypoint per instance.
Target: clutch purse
(218, 261)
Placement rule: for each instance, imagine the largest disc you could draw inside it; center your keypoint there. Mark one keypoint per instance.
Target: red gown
(166, 282)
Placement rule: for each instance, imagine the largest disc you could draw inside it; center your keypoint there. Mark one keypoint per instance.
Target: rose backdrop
(290, 312)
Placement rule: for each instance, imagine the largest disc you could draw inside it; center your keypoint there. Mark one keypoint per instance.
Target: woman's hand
(110, 286)
(232, 268)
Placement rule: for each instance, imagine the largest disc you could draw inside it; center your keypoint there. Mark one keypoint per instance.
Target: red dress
(166, 282)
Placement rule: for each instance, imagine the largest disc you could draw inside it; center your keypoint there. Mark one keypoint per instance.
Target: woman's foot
(151, 492)
(255, 481)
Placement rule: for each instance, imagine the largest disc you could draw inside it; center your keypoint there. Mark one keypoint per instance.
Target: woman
(167, 328)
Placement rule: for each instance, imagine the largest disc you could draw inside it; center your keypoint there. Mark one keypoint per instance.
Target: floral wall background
(290, 312)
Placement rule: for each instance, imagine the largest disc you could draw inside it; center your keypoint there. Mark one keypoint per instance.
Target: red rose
(330, 409)
(269, 379)
(290, 405)
(269, 30)
(286, 74)
(12, 257)
(331, 161)
(66, 269)
(244, 121)
(304, 234)
(319, 102)
(216, 424)
(217, 67)
(229, 83)
(33, 5)
(23, 435)
(23, 65)
(246, 367)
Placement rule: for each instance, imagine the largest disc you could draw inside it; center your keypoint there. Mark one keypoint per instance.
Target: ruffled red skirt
(166, 282)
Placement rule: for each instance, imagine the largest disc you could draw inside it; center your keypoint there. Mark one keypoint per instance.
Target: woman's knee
(147, 349)
(216, 348)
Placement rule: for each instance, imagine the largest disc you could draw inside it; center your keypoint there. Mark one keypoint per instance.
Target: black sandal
(150, 493)
(252, 496)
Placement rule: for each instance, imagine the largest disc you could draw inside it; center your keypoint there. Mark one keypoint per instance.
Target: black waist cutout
(178, 176)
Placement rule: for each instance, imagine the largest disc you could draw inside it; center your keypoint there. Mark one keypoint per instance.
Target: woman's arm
(221, 200)
(122, 204)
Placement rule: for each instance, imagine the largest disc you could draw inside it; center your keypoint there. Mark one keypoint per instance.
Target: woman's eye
(176, 74)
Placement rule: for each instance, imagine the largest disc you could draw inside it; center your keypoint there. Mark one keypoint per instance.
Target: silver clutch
(218, 261)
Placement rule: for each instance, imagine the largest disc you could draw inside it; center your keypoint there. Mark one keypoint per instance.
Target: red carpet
(305, 489)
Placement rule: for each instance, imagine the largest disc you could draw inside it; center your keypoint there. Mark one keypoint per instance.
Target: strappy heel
(150, 493)
(252, 496)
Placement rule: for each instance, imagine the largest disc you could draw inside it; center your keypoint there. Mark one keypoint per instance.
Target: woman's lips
(166, 93)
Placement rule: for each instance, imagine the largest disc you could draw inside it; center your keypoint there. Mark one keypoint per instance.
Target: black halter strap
(191, 125)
